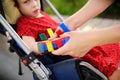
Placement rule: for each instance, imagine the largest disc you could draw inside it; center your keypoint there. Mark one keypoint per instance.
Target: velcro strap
(64, 27)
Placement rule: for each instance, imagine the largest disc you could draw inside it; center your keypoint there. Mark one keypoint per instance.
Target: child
(33, 22)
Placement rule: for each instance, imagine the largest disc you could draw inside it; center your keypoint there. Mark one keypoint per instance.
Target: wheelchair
(46, 67)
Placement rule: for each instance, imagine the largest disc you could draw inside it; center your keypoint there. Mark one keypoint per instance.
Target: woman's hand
(78, 45)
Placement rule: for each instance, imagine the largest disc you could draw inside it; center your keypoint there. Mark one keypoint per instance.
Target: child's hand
(49, 46)
(54, 36)
(57, 33)
(60, 30)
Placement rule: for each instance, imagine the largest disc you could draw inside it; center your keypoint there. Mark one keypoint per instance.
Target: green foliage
(66, 7)
(113, 11)
(69, 7)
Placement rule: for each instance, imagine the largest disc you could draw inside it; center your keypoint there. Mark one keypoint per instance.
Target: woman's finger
(60, 51)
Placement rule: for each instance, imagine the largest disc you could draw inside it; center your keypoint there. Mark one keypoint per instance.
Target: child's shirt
(105, 58)
(35, 26)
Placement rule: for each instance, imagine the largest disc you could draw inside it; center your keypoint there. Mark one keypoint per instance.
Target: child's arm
(42, 47)
(31, 43)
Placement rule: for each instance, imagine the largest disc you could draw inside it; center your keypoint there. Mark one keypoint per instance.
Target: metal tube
(54, 10)
(42, 72)
(14, 34)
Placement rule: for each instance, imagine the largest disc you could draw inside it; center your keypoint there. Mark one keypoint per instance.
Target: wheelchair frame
(42, 72)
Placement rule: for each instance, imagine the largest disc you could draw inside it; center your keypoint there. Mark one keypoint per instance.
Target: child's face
(29, 8)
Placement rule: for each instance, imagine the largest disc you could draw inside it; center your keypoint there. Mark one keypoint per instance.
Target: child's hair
(16, 3)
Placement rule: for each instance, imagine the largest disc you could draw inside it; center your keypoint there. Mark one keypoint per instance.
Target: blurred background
(68, 7)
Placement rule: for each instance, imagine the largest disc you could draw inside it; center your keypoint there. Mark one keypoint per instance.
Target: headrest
(11, 12)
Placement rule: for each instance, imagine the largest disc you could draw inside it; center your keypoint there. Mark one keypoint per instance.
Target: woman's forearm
(90, 10)
(106, 35)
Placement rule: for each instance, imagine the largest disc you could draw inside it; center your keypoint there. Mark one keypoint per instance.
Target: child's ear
(12, 13)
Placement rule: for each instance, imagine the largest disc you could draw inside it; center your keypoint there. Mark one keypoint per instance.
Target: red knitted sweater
(35, 26)
(105, 58)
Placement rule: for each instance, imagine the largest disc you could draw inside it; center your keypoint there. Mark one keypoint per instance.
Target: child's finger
(65, 34)
(54, 36)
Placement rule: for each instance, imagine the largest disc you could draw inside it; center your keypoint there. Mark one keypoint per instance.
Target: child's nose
(34, 3)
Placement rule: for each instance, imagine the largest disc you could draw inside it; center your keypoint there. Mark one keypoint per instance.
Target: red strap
(59, 32)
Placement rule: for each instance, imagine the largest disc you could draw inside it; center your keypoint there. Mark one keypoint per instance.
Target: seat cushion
(11, 12)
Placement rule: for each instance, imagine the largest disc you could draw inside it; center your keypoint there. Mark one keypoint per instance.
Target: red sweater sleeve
(24, 28)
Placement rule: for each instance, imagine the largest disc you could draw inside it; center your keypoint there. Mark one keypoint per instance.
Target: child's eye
(26, 1)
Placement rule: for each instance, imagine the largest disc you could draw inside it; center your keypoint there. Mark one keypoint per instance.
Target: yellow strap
(50, 32)
(49, 46)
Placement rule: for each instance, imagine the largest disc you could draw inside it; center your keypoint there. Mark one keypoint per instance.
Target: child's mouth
(36, 11)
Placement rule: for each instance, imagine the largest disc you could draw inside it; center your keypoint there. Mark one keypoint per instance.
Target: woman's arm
(91, 9)
(115, 75)
(107, 35)
(82, 41)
